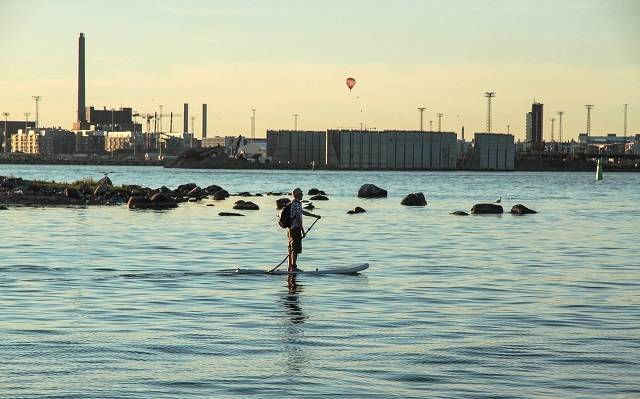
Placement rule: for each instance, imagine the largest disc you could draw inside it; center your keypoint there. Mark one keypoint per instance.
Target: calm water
(111, 303)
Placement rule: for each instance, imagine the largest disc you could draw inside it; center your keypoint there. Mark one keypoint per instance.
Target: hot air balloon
(350, 83)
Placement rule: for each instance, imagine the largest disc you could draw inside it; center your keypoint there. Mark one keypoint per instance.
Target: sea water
(107, 302)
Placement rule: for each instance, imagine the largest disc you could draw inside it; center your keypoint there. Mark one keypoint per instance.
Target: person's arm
(310, 214)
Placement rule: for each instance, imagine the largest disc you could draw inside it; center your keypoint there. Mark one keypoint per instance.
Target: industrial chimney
(185, 119)
(82, 117)
(204, 121)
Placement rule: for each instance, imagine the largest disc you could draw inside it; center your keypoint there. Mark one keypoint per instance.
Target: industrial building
(358, 149)
(120, 120)
(391, 149)
(296, 147)
(493, 151)
(89, 118)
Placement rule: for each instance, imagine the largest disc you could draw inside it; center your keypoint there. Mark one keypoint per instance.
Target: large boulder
(315, 191)
(220, 195)
(414, 199)
(246, 206)
(101, 189)
(520, 209)
(282, 202)
(319, 198)
(139, 202)
(355, 210)
(196, 192)
(106, 181)
(73, 193)
(162, 201)
(486, 209)
(212, 189)
(183, 189)
(371, 191)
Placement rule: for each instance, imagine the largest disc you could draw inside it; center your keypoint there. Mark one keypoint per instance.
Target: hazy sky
(286, 57)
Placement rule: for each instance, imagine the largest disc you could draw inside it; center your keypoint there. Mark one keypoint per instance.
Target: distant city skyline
(284, 58)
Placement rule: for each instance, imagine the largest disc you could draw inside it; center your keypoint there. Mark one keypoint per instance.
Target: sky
(292, 57)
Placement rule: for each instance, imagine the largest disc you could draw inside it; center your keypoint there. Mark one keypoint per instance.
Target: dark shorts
(295, 240)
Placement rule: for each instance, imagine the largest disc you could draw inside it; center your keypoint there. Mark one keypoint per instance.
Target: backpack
(284, 218)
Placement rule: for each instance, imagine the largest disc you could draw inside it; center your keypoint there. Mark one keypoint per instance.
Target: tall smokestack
(82, 118)
(204, 120)
(185, 118)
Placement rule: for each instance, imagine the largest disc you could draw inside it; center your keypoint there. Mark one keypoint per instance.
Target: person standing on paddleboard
(296, 232)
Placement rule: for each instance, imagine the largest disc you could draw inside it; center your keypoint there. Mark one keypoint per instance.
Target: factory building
(89, 118)
(120, 120)
(493, 151)
(391, 149)
(356, 149)
(296, 147)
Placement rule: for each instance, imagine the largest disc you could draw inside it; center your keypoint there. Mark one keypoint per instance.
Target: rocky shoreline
(15, 191)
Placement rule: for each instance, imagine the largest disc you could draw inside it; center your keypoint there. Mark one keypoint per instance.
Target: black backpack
(284, 218)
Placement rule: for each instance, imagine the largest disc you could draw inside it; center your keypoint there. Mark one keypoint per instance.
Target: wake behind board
(340, 270)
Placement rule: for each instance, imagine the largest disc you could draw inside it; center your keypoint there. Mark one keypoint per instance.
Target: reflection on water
(292, 300)
(296, 357)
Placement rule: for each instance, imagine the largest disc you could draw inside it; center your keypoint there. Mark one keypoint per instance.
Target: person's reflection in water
(296, 357)
(292, 301)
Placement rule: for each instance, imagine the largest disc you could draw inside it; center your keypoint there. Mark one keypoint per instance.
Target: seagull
(499, 200)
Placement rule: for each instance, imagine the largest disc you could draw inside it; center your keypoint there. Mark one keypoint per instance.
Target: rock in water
(245, 206)
(460, 213)
(486, 209)
(183, 189)
(229, 214)
(414, 199)
(72, 193)
(106, 181)
(282, 202)
(315, 191)
(310, 206)
(371, 191)
(196, 192)
(139, 203)
(162, 201)
(520, 209)
(212, 189)
(319, 198)
(220, 195)
(355, 210)
(244, 194)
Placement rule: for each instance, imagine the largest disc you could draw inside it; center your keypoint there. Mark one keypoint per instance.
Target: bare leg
(291, 260)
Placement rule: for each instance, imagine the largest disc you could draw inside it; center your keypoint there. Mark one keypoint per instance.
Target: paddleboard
(340, 270)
